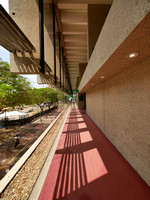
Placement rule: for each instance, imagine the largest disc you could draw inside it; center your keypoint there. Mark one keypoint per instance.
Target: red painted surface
(86, 166)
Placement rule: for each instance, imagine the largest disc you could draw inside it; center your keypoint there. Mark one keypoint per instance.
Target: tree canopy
(44, 95)
(15, 90)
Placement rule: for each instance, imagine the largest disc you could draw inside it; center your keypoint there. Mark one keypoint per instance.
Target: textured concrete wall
(27, 18)
(95, 104)
(121, 109)
(123, 17)
(48, 37)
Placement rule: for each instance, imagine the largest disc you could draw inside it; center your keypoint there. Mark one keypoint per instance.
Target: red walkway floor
(86, 166)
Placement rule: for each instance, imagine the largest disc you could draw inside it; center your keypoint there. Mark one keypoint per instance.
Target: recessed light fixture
(102, 77)
(132, 55)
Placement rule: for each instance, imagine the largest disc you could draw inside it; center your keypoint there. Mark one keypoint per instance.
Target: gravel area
(21, 185)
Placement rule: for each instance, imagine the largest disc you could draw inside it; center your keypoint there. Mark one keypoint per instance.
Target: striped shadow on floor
(86, 166)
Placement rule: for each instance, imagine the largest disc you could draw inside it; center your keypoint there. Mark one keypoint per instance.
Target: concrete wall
(121, 109)
(27, 18)
(82, 67)
(123, 17)
(95, 105)
(48, 37)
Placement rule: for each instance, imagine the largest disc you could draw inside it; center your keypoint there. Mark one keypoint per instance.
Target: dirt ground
(27, 134)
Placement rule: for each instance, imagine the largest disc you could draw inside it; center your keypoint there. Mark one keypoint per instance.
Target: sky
(4, 54)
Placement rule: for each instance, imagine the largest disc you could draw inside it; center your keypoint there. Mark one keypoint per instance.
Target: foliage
(13, 88)
(16, 91)
(62, 97)
(44, 95)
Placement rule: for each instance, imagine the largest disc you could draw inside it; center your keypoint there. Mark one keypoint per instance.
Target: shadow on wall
(26, 66)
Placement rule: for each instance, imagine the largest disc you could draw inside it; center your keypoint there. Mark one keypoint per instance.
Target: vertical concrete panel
(48, 37)
(82, 67)
(127, 116)
(48, 50)
(96, 18)
(26, 15)
(95, 105)
(57, 54)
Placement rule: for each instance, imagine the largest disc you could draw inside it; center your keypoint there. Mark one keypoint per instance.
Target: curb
(34, 195)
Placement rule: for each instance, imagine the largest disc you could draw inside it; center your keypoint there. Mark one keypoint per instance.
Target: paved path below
(86, 166)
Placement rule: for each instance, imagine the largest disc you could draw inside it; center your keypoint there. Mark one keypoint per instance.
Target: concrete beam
(126, 30)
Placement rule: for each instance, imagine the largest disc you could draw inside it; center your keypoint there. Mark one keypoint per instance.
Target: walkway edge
(8, 177)
(41, 179)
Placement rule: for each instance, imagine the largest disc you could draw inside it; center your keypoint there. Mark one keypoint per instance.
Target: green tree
(14, 89)
(44, 95)
(62, 96)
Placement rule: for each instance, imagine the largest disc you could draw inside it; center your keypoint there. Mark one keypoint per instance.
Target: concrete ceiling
(74, 30)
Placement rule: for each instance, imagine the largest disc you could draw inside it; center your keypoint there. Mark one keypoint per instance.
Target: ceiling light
(102, 77)
(132, 55)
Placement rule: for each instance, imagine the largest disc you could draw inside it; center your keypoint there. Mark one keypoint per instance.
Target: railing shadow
(88, 167)
(72, 172)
